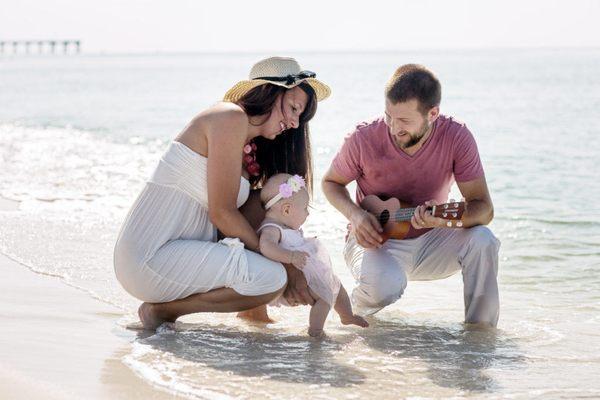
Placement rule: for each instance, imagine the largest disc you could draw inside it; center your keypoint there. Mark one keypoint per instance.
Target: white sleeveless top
(183, 169)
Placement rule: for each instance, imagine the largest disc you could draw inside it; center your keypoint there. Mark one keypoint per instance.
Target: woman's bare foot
(258, 314)
(150, 317)
(354, 320)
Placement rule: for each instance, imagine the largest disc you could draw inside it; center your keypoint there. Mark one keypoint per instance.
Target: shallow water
(79, 135)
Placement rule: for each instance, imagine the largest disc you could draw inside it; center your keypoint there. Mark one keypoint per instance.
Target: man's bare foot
(258, 314)
(354, 320)
(150, 318)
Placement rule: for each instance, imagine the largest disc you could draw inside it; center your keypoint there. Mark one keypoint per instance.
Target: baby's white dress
(318, 270)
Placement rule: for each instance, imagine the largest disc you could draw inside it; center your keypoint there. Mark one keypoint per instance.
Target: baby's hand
(298, 259)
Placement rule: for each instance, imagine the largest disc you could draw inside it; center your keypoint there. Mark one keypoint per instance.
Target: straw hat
(280, 71)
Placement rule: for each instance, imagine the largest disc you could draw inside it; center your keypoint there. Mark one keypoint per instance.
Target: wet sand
(58, 343)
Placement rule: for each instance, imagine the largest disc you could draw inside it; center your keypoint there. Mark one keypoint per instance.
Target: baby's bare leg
(344, 309)
(318, 315)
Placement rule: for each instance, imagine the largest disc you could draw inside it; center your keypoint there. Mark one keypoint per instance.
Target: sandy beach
(81, 136)
(58, 343)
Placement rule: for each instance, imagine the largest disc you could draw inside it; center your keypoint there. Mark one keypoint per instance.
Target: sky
(140, 26)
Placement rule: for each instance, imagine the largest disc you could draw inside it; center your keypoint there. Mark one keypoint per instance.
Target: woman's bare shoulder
(224, 114)
(223, 118)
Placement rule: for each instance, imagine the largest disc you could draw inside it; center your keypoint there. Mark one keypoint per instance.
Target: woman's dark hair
(289, 152)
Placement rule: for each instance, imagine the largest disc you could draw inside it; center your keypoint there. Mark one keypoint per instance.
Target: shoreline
(58, 343)
(8, 204)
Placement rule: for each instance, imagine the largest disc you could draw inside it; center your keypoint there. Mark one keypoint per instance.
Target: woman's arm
(226, 137)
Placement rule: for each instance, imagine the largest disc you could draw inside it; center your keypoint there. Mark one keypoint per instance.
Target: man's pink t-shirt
(370, 157)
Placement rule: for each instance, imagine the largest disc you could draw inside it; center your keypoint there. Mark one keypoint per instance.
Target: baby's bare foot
(354, 320)
(316, 333)
(150, 318)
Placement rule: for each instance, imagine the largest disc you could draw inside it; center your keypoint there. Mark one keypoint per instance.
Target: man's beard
(414, 139)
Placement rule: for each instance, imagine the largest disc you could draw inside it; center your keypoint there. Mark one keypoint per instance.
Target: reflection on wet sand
(455, 357)
(393, 352)
(276, 355)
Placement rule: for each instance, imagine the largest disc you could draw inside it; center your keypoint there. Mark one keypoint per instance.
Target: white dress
(318, 270)
(167, 247)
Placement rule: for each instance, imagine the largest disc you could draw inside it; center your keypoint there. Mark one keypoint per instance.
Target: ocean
(79, 135)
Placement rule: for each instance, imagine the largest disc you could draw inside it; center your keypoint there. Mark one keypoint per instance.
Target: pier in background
(40, 46)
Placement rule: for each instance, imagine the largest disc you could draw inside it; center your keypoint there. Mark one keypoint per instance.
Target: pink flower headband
(287, 189)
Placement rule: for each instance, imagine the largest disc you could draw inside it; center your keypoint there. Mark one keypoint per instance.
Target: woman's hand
(366, 229)
(296, 292)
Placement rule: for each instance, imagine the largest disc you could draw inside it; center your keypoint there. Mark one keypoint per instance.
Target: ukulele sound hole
(384, 217)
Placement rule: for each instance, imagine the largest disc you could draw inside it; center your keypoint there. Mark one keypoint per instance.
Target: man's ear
(433, 114)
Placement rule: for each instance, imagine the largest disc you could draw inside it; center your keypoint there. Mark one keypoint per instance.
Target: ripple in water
(393, 356)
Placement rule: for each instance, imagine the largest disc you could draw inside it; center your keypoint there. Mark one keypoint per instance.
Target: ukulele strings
(404, 214)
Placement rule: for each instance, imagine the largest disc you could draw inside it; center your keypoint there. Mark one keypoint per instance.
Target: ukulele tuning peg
(444, 215)
(449, 224)
(455, 205)
(445, 206)
(454, 215)
(459, 224)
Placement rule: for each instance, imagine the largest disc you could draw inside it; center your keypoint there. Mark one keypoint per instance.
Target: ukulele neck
(405, 214)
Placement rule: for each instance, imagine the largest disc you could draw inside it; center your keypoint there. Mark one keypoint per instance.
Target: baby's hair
(271, 187)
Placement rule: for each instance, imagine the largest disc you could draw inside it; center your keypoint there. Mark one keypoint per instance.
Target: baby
(281, 239)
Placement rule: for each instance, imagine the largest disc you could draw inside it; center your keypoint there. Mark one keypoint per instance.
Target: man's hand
(364, 226)
(296, 292)
(366, 229)
(423, 218)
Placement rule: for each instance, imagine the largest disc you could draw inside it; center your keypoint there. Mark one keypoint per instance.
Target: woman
(167, 254)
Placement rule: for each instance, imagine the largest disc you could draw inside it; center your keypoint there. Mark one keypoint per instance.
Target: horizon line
(306, 51)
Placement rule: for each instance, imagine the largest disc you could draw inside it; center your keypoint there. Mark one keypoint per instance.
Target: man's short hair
(413, 81)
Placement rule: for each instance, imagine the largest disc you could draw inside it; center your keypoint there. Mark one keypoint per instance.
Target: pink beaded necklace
(249, 160)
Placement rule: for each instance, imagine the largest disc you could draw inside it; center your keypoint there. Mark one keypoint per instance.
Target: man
(414, 153)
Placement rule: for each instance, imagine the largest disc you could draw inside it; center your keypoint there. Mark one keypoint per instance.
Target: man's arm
(364, 225)
(479, 211)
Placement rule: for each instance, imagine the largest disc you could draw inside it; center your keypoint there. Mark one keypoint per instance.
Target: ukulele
(394, 215)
